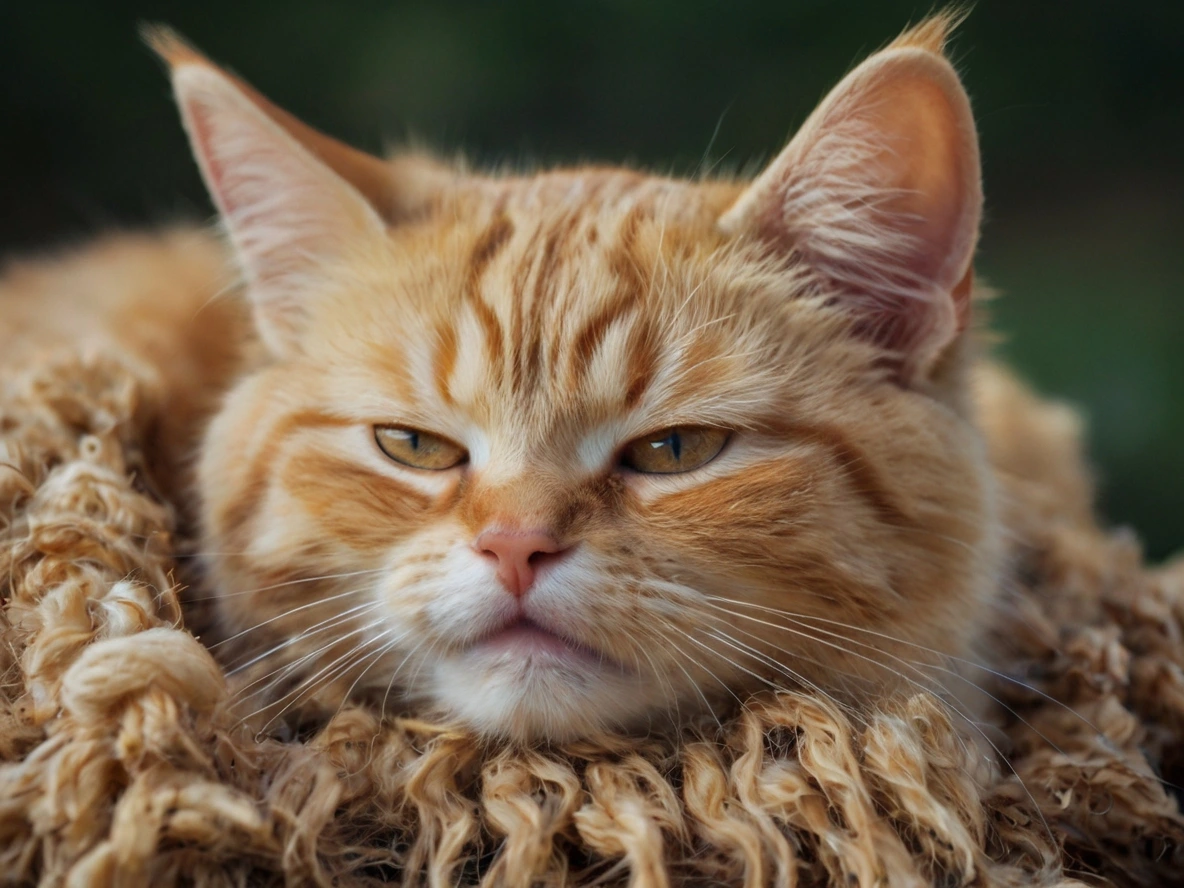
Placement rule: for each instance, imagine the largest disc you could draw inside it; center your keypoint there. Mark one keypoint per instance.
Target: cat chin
(538, 697)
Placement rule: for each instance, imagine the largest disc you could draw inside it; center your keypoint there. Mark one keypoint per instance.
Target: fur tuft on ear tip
(173, 49)
(933, 32)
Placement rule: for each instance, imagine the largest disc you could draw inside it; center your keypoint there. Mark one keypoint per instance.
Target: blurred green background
(1080, 108)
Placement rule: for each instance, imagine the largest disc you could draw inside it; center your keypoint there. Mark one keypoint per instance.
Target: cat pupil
(673, 441)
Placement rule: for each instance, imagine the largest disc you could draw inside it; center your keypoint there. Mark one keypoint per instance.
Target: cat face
(592, 449)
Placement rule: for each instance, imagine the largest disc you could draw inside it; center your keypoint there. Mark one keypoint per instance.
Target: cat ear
(290, 197)
(399, 188)
(879, 195)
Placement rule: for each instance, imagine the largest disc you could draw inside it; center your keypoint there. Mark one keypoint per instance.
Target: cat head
(590, 448)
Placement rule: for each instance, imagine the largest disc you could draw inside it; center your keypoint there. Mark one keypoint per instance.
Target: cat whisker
(839, 647)
(317, 603)
(670, 645)
(688, 592)
(225, 290)
(687, 301)
(659, 673)
(691, 638)
(698, 690)
(389, 646)
(720, 320)
(689, 595)
(394, 674)
(323, 626)
(291, 667)
(296, 582)
(190, 553)
(689, 369)
(789, 672)
(374, 657)
(422, 662)
(663, 680)
(847, 708)
(705, 166)
(326, 674)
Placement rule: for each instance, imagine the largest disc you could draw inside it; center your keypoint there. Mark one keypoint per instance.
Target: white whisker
(287, 613)
(316, 629)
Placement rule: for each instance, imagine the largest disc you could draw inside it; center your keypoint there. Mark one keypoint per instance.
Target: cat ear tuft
(932, 33)
(879, 196)
(172, 48)
(286, 211)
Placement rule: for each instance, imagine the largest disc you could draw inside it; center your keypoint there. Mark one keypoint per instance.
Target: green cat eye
(678, 449)
(420, 450)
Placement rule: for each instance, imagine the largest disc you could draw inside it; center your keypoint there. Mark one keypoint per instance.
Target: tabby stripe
(864, 479)
(445, 359)
(624, 263)
(588, 339)
(556, 246)
(519, 287)
(642, 360)
(239, 513)
(495, 236)
(360, 508)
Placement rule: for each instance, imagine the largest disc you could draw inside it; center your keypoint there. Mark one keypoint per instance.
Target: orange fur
(821, 313)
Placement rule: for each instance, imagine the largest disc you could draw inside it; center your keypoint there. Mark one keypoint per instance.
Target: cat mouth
(526, 639)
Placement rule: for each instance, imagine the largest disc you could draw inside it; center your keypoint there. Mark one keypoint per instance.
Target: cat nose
(519, 554)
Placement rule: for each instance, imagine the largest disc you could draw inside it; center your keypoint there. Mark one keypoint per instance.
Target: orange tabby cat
(579, 450)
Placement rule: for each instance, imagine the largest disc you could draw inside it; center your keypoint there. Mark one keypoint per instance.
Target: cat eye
(678, 449)
(420, 450)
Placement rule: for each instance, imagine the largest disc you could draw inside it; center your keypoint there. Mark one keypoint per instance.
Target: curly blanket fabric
(120, 763)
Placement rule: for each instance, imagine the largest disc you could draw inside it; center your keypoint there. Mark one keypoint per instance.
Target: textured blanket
(121, 763)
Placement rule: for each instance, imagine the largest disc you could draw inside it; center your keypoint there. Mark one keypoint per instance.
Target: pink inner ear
(200, 133)
(931, 166)
(218, 181)
(288, 215)
(879, 195)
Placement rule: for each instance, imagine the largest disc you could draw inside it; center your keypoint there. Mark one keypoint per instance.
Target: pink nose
(519, 555)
